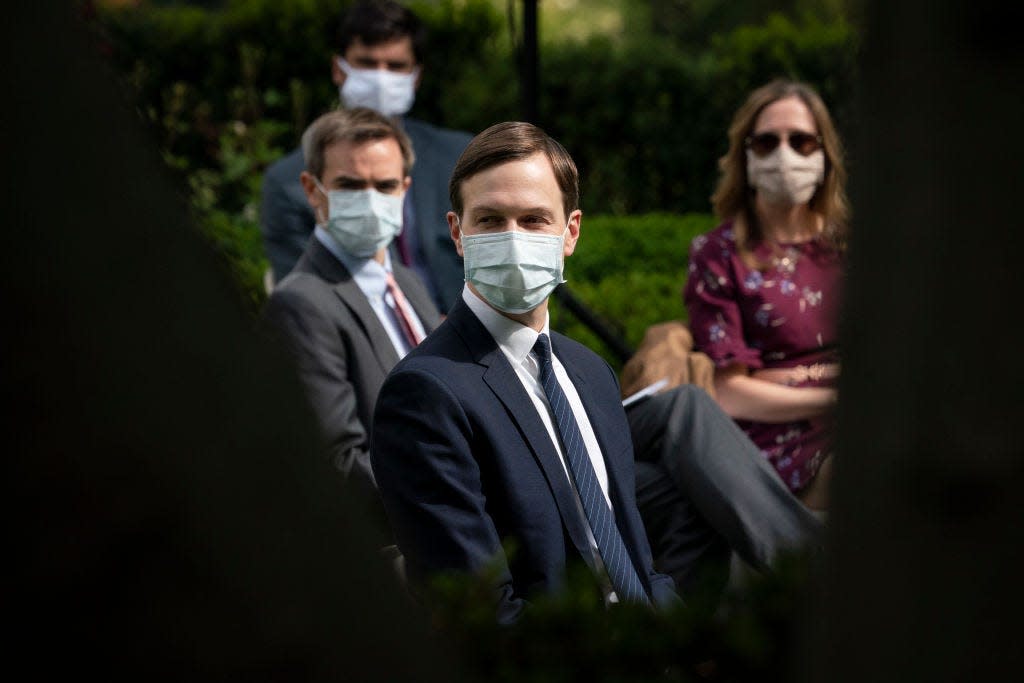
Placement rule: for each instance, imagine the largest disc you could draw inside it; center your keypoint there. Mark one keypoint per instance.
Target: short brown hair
(358, 124)
(733, 197)
(512, 141)
(381, 21)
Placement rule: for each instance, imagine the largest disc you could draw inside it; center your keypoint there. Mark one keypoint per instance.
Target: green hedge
(749, 632)
(646, 119)
(630, 270)
(227, 90)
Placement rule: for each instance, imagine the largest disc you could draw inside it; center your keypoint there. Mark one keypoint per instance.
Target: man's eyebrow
(533, 209)
(348, 180)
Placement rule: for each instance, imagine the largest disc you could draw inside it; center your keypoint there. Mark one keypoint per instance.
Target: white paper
(649, 390)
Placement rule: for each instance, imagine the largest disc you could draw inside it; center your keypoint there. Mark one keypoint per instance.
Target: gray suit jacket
(341, 349)
(286, 220)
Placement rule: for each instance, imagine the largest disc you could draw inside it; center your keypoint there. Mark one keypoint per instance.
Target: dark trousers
(704, 491)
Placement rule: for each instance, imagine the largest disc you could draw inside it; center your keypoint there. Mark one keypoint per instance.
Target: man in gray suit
(378, 65)
(348, 311)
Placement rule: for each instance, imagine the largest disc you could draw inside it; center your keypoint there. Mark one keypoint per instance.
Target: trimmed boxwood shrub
(630, 270)
(226, 90)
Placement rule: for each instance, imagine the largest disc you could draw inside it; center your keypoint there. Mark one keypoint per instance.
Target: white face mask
(387, 92)
(784, 177)
(362, 222)
(514, 271)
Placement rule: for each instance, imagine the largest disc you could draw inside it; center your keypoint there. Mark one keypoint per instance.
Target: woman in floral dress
(763, 288)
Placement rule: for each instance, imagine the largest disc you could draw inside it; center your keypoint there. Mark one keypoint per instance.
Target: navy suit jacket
(464, 464)
(286, 219)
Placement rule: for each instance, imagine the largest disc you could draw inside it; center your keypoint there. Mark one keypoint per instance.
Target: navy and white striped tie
(613, 551)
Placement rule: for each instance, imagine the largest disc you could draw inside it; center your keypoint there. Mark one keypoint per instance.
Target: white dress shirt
(516, 341)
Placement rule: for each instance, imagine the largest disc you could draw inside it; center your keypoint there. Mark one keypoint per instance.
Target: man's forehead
(348, 147)
(399, 47)
(349, 152)
(518, 178)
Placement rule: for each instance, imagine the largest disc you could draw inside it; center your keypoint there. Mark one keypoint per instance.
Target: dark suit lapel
(423, 173)
(429, 203)
(332, 270)
(501, 378)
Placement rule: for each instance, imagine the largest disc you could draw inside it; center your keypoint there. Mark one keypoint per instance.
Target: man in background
(348, 311)
(378, 65)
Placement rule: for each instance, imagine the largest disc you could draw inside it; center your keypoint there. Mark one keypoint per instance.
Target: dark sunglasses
(803, 144)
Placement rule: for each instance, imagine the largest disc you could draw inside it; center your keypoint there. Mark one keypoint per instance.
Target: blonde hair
(733, 196)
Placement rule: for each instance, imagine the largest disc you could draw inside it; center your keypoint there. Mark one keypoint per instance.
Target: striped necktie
(613, 551)
(404, 311)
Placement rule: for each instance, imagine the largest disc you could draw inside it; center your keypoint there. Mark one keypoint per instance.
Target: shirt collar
(515, 339)
(368, 274)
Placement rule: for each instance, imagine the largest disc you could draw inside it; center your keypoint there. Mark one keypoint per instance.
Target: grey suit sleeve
(431, 485)
(286, 220)
(322, 365)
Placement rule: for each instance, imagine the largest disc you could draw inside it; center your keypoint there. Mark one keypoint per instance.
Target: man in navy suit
(378, 65)
(496, 443)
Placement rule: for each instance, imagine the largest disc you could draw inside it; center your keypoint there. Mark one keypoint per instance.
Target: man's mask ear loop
(323, 191)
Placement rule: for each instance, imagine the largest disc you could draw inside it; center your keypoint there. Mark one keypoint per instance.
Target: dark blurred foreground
(927, 542)
(169, 515)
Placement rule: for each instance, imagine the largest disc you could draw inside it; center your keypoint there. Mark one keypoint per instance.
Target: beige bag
(666, 352)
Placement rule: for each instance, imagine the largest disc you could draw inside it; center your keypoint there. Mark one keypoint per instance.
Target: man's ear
(455, 231)
(314, 196)
(337, 75)
(419, 77)
(573, 233)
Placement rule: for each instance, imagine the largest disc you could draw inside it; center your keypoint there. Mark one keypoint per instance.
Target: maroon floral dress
(780, 316)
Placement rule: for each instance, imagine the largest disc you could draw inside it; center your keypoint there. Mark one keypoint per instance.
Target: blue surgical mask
(362, 222)
(514, 271)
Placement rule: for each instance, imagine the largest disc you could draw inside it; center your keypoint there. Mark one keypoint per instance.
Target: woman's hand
(748, 397)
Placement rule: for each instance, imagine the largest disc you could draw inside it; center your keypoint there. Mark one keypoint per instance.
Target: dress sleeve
(711, 297)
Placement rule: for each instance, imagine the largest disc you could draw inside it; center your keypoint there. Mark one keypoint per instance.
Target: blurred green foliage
(228, 87)
(646, 120)
(748, 632)
(630, 271)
